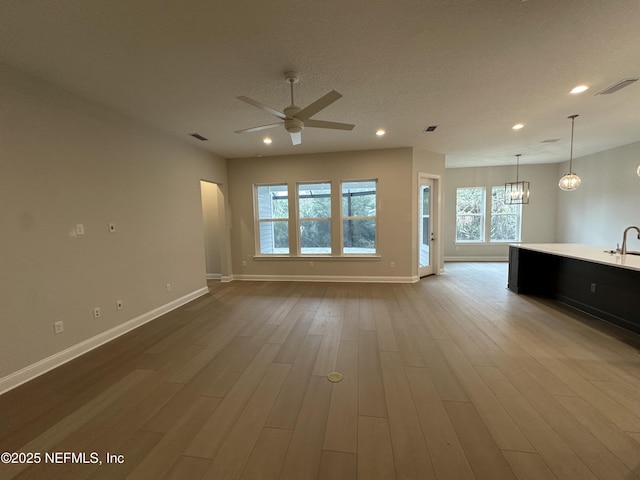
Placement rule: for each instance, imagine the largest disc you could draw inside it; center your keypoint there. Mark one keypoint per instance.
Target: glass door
(426, 237)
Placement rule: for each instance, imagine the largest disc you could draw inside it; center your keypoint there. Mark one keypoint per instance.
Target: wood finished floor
(453, 377)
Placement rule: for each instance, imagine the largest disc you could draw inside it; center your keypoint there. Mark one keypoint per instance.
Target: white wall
(607, 201)
(66, 161)
(538, 217)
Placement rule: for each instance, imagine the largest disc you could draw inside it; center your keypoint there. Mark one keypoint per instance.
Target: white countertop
(589, 253)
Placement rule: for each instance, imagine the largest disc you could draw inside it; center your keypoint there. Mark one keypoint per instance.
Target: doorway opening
(213, 228)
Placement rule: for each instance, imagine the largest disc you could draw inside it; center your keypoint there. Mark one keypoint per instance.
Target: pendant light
(570, 181)
(516, 192)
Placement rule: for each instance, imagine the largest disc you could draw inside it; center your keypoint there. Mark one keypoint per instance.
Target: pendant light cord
(573, 121)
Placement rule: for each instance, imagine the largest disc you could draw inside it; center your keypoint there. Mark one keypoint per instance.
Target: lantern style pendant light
(516, 192)
(570, 181)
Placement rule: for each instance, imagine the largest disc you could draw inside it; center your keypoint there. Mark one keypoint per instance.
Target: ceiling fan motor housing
(291, 124)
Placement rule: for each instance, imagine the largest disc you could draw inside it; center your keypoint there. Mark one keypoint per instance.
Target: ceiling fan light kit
(293, 117)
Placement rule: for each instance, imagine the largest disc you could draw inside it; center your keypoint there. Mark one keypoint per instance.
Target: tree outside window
(314, 216)
(359, 213)
(505, 219)
(470, 217)
(502, 221)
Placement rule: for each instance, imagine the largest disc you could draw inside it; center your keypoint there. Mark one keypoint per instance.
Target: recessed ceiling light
(518, 126)
(267, 140)
(380, 132)
(579, 89)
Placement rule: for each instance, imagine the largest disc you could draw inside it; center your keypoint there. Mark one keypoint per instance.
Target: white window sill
(340, 258)
(476, 244)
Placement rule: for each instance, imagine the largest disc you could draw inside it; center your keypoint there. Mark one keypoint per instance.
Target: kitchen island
(592, 279)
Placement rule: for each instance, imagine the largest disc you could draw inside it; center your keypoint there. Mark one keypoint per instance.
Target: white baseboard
(214, 276)
(30, 372)
(476, 259)
(324, 278)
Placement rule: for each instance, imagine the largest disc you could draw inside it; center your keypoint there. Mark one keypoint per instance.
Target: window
(355, 230)
(359, 217)
(502, 221)
(272, 218)
(314, 217)
(505, 219)
(470, 217)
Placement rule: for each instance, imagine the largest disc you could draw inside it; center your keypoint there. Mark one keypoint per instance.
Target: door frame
(435, 221)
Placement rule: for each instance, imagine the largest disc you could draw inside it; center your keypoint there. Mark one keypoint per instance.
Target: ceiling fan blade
(262, 106)
(323, 102)
(261, 127)
(296, 138)
(323, 124)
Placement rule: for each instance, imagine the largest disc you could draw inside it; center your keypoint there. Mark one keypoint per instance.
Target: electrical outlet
(119, 305)
(96, 312)
(392, 264)
(593, 288)
(244, 263)
(58, 327)
(310, 264)
(168, 287)
(79, 229)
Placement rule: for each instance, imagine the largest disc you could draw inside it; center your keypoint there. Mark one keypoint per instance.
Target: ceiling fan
(295, 119)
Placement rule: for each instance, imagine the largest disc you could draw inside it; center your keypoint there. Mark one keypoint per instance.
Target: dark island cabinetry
(598, 283)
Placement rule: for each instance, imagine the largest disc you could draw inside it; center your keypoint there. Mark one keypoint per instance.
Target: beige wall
(538, 217)
(432, 165)
(214, 228)
(66, 161)
(394, 171)
(607, 201)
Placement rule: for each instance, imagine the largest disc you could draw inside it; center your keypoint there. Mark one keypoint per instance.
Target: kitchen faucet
(624, 238)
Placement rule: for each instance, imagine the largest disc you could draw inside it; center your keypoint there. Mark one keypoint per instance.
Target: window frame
(258, 220)
(482, 215)
(517, 215)
(300, 220)
(358, 217)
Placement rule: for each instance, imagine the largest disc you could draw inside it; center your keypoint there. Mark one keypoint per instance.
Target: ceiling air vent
(550, 140)
(199, 137)
(617, 86)
(431, 128)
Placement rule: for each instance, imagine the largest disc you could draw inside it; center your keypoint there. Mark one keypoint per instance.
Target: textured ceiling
(472, 67)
